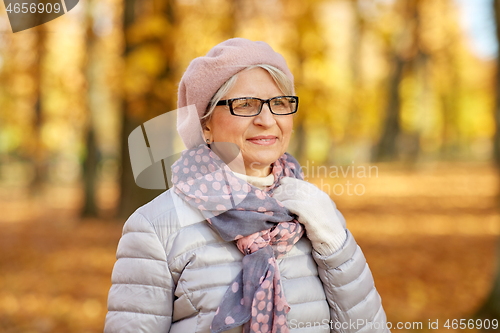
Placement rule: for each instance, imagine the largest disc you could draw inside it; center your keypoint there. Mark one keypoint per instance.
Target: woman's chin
(258, 165)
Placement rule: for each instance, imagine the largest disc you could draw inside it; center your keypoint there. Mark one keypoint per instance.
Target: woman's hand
(324, 224)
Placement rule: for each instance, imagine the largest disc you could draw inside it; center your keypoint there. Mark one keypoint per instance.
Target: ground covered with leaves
(429, 235)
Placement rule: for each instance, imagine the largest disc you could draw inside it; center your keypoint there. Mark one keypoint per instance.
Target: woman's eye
(279, 102)
(242, 104)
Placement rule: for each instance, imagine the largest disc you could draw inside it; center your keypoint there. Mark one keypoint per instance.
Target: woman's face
(263, 138)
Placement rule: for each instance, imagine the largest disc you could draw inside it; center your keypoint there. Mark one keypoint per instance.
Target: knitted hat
(205, 75)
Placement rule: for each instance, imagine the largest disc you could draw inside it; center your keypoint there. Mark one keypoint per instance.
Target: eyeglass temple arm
(223, 102)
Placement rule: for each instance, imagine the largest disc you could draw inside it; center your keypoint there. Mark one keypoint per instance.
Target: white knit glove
(316, 211)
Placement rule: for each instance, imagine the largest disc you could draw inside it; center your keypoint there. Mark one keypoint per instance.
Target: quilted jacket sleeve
(141, 295)
(355, 305)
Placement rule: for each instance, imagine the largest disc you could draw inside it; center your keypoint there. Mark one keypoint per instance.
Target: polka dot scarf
(264, 230)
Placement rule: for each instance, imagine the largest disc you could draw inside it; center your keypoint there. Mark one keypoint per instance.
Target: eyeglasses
(252, 106)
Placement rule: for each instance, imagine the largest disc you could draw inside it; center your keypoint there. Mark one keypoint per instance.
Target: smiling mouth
(263, 141)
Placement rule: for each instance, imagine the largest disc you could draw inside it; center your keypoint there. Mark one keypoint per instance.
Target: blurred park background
(407, 88)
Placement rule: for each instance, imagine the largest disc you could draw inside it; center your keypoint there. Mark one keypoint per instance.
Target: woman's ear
(207, 133)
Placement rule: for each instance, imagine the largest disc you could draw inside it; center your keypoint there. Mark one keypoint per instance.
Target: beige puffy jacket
(173, 269)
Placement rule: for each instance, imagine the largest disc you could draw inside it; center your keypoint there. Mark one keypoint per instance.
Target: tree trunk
(155, 102)
(496, 144)
(131, 195)
(303, 23)
(91, 157)
(386, 149)
(491, 307)
(38, 157)
(90, 175)
(450, 102)
(356, 42)
(404, 53)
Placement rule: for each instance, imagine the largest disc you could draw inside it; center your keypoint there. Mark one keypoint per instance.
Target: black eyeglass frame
(229, 102)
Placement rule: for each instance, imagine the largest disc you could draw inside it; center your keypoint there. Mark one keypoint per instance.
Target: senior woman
(240, 243)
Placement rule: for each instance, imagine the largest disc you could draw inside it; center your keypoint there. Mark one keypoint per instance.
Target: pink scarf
(264, 230)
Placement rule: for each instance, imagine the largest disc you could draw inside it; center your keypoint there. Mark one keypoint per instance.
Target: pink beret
(205, 75)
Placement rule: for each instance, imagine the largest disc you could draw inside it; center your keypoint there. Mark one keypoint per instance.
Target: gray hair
(282, 81)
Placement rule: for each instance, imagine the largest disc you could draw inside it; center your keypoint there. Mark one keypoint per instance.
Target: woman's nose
(265, 117)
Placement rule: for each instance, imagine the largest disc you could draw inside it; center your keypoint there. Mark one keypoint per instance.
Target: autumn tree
(355, 54)
(496, 142)
(306, 44)
(91, 153)
(491, 307)
(149, 82)
(38, 153)
(405, 56)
